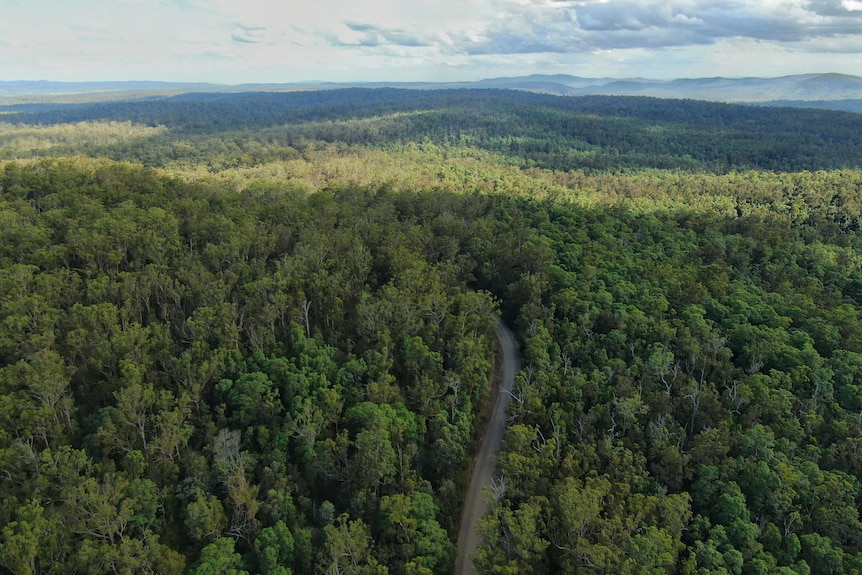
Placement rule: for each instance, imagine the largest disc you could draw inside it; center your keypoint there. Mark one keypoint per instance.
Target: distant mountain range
(835, 91)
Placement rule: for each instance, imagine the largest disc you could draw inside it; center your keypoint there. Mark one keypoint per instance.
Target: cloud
(568, 26)
(560, 35)
(245, 34)
(836, 8)
(371, 35)
(531, 33)
(392, 39)
(574, 26)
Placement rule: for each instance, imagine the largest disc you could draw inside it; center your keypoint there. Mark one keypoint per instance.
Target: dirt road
(483, 468)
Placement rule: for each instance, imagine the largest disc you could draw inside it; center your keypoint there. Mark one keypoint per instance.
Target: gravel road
(483, 467)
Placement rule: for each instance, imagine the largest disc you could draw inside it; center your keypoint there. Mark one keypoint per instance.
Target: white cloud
(267, 40)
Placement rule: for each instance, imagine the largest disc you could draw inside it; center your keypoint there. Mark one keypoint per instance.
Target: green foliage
(560, 133)
(348, 549)
(409, 527)
(219, 558)
(277, 362)
(205, 518)
(183, 379)
(274, 548)
(29, 542)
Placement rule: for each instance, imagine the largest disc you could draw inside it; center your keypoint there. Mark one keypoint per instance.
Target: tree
(147, 419)
(31, 543)
(382, 440)
(232, 466)
(821, 555)
(40, 398)
(347, 549)
(408, 526)
(219, 558)
(513, 539)
(205, 518)
(274, 549)
(253, 397)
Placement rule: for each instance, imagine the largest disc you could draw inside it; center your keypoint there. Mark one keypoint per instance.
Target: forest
(254, 334)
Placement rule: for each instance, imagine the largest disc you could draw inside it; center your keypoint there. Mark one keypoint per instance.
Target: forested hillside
(595, 132)
(255, 334)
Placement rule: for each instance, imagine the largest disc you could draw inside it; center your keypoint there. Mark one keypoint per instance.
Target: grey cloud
(707, 20)
(835, 8)
(357, 27)
(529, 34)
(580, 26)
(248, 34)
(608, 17)
(373, 36)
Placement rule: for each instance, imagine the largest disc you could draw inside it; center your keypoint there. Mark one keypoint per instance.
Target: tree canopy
(254, 334)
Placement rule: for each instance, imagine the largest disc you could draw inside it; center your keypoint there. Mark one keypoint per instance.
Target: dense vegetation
(268, 351)
(597, 133)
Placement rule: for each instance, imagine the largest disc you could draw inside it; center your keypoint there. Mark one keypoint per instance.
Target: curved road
(483, 469)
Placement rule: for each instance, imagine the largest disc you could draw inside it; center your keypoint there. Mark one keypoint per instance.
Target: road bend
(483, 467)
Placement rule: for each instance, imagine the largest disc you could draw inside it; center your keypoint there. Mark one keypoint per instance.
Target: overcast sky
(243, 41)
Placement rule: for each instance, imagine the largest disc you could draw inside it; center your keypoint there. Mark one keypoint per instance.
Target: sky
(268, 41)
